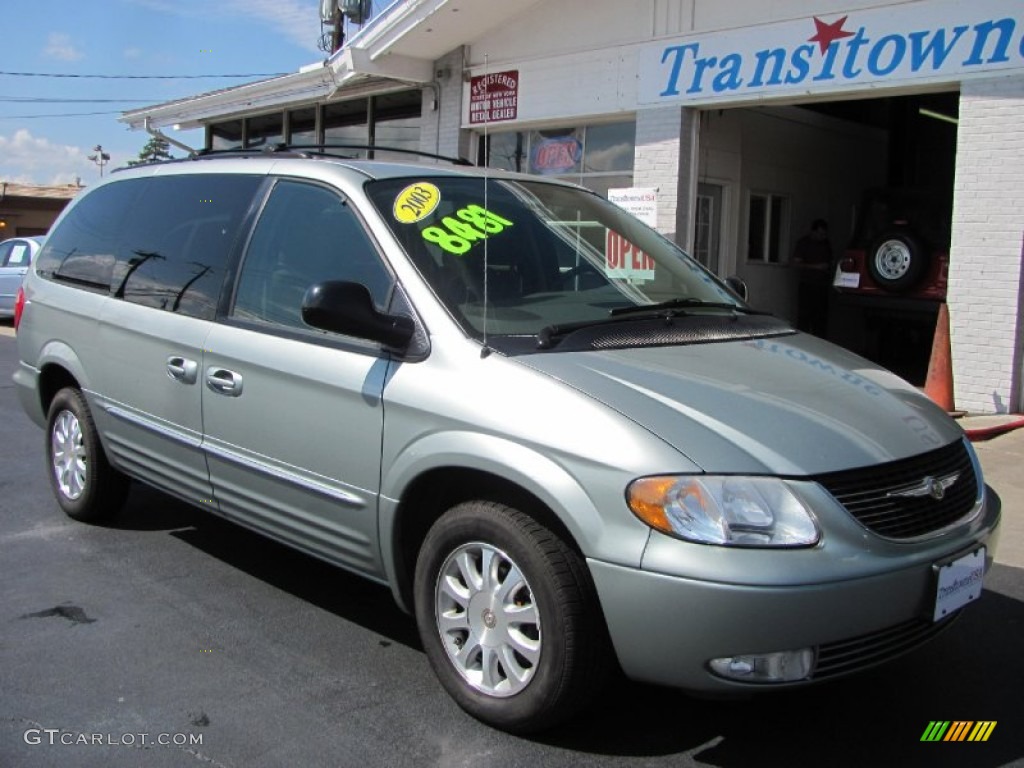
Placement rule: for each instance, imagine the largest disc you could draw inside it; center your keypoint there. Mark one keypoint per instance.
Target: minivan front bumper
(666, 629)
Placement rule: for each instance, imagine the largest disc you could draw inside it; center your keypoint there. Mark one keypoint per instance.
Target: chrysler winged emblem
(930, 486)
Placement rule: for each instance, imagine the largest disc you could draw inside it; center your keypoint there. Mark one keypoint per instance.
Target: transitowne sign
(924, 42)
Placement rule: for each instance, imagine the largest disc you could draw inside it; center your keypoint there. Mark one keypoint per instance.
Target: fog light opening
(779, 667)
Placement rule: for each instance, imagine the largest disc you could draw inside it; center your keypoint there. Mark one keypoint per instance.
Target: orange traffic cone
(939, 384)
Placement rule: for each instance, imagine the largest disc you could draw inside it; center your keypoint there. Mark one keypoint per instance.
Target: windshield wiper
(550, 335)
(684, 304)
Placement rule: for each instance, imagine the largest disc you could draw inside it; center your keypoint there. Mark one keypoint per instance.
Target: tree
(156, 149)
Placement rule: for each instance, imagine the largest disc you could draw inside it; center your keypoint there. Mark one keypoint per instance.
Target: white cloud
(132, 53)
(297, 20)
(59, 46)
(28, 159)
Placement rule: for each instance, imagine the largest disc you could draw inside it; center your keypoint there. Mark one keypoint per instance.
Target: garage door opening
(880, 173)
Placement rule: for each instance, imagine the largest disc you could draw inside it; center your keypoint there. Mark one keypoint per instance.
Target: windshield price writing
(458, 233)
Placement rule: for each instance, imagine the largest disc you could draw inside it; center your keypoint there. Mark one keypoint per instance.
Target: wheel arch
(545, 492)
(59, 367)
(53, 377)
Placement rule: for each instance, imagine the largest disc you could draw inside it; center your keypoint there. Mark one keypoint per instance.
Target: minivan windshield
(519, 257)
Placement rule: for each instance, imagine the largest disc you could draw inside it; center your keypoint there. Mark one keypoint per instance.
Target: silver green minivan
(562, 443)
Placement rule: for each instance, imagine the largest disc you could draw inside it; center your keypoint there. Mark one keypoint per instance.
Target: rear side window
(178, 240)
(81, 250)
(18, 256)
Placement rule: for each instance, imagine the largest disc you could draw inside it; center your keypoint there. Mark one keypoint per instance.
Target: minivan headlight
(727, 510)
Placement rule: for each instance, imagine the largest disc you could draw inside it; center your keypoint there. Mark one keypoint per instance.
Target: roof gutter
(301, 87)
(157, 134)
(365, 56)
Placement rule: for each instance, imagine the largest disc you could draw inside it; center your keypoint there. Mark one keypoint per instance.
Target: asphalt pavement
(170, 625)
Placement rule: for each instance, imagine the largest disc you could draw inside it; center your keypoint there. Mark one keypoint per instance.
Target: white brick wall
(665, 141)
(442, 110)
(986, 253)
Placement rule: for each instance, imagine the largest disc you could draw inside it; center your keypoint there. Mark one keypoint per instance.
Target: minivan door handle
(224, 382)
(182, 369)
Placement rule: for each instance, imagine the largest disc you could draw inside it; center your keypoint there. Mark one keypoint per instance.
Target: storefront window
(346, 123)
(302, 126)
(610, 147)
(400, 134)
(389, 120)
(767, 225)
(599, 157)
(264, 130)
(396, 123)
(226, 135)
(508, 151)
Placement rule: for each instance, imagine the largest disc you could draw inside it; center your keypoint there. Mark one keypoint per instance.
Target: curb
(991, 430)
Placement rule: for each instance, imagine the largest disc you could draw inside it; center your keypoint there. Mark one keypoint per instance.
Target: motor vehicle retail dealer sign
(494, 98)
(917, 43)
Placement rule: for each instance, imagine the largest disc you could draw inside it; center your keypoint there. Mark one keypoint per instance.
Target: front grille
(856, 653)
(867, 492)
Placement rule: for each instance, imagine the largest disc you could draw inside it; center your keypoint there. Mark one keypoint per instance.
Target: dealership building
(734, 126)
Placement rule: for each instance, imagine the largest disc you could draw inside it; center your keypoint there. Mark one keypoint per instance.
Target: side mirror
(344, 307)
(737, 286)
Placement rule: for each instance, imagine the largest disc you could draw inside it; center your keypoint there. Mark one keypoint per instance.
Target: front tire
(86, 486)
(508, 617)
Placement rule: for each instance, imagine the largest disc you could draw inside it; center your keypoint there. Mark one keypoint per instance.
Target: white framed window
(767, 227)
(598, 156)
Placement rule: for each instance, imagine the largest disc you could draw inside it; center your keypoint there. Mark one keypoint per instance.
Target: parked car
(900, 245)
(15, 256)
(558, 439)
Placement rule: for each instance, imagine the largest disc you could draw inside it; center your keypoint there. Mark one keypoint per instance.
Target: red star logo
(828, 32)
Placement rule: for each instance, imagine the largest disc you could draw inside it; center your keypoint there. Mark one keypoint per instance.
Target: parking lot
(171, 638)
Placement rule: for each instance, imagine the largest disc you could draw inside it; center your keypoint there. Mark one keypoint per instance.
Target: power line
(43, 100)
(66, 114)
(141, 77)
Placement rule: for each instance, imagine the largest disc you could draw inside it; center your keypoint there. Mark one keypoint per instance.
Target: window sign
(551, 155)
(599, 157)
(642, 202)
(622, 258)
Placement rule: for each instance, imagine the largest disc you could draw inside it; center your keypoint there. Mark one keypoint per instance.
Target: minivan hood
(791, 406)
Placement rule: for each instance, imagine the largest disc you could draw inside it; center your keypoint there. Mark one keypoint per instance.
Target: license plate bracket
(959, 581)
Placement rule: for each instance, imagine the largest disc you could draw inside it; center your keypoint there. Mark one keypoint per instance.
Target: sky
(45, 138)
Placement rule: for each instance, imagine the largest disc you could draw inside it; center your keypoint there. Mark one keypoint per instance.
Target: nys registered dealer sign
(494, 98)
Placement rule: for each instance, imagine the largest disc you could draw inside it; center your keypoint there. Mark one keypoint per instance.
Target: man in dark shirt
(813, 256)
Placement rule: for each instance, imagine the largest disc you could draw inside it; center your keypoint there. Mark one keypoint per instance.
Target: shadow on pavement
(346, 595)
(974, 671)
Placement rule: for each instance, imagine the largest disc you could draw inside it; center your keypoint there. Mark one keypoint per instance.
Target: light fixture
(938, 116)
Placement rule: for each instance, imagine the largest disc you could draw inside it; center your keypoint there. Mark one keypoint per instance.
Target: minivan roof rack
(324, 150)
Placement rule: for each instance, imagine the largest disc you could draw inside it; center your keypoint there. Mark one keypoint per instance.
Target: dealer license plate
(960, 582)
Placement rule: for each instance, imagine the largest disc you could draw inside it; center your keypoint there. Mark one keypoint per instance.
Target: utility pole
(331, 26)
(337, 32)
(101, 158)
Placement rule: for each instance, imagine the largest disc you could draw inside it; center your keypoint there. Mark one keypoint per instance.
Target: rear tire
(508, 617)
(86, 486)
